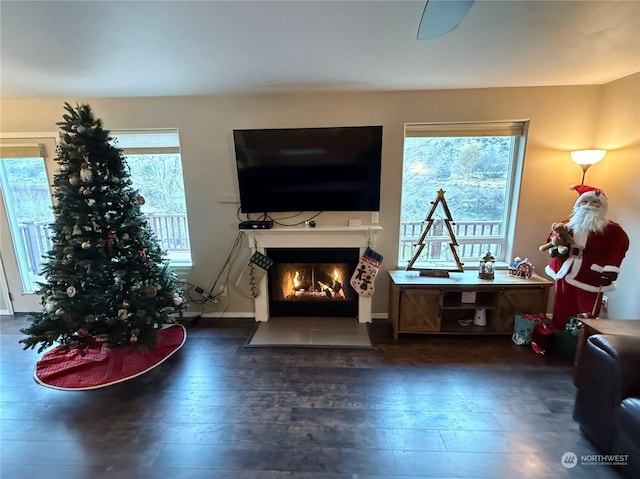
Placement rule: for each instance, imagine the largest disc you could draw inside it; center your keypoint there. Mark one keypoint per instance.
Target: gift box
(523, 326)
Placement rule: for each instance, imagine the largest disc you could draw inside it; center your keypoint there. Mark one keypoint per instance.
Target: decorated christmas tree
(106, 277)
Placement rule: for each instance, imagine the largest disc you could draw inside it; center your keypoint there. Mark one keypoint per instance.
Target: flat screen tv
(309, 169)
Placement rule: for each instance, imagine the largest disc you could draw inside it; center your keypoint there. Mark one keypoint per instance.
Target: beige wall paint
(618, 174)
(562, 119)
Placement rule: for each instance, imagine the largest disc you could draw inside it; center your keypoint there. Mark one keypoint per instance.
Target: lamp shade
(587, 157)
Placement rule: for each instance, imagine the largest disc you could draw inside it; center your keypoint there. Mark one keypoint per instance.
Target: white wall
(562, 119)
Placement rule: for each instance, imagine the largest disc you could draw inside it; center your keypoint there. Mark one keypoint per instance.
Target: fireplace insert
(312, 282)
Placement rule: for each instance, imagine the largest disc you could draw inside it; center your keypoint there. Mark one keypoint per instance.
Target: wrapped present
(523, 326)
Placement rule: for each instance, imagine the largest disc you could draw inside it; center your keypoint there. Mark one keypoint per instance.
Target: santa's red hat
(587, 192)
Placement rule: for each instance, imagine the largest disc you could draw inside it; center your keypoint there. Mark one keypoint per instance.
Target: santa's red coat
(596, 254)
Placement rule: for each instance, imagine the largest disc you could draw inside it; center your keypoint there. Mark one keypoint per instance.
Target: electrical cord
(278, 221)
(204, 297)
(228, 262)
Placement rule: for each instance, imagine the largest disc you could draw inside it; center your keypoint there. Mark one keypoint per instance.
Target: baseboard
(249, 314)
(219, 314)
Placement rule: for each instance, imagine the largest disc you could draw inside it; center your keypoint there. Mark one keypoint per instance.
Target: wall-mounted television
(309, 169)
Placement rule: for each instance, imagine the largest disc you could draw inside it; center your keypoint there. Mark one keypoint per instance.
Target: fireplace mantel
(305, 237)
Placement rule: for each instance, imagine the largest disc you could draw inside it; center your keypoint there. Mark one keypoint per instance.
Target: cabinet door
(419, 310)
(519, 301)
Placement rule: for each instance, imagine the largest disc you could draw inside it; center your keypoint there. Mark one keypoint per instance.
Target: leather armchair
(607, 404)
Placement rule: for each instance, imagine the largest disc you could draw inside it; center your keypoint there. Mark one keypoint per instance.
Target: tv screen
(309, 169)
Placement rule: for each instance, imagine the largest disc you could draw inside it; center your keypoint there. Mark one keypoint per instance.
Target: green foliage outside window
(472, 170)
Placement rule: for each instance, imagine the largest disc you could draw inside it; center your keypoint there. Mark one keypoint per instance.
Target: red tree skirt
(94, 368)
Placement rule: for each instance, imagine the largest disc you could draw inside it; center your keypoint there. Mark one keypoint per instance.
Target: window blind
(497, 128)
(147, 142)
(21, 150)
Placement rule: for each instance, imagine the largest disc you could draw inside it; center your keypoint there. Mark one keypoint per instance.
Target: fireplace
(312, 282)
(326, 240)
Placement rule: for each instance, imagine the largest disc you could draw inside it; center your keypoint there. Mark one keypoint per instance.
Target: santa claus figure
(593, 263)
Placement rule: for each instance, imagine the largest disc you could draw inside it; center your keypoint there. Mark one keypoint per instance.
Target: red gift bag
(541, 338)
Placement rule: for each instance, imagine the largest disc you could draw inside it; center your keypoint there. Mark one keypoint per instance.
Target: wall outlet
(355, 222)
(605, 302)
(375, 217)
(223, 290)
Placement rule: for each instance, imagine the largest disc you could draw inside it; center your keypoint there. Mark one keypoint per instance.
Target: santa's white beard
(587, 219)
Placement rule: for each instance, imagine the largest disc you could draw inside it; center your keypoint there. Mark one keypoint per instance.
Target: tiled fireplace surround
(305, 237)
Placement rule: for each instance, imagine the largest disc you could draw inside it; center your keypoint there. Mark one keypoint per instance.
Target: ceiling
(166, 48)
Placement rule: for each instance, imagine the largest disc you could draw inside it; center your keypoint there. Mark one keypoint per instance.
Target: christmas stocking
(366, 271)
(253, 273)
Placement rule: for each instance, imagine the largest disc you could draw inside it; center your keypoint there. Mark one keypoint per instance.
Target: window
(153, 157)
(479, 166)
(28, 206)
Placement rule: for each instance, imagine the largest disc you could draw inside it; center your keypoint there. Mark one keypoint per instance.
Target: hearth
(312, 282)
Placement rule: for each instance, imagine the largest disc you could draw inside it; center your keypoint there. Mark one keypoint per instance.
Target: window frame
(140, 141)
(518, 130)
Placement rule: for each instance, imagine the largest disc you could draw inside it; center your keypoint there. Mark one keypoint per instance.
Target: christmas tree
(448, 221)
(106, 277)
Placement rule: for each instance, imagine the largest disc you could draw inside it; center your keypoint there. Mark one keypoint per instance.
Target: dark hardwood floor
(421, 406)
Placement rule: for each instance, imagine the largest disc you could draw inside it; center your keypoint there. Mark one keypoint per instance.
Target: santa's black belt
(576, 251)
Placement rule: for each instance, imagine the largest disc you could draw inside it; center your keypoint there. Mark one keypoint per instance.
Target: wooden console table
(591, 326)
(421, 304)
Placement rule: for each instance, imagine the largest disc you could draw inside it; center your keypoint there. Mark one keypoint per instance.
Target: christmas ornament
(85, 173)
(86, 245)
(81, 129)
(140, 200)
(177, 300)
(150, 291)
(76, 230)
(73, 179)
(71, 291)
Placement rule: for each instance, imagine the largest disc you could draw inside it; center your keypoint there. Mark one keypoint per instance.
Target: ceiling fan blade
(442, 16)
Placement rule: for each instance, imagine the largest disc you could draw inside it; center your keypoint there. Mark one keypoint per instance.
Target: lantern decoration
(487, 266)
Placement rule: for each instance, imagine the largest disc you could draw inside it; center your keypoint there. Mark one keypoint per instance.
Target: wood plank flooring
(421, 406)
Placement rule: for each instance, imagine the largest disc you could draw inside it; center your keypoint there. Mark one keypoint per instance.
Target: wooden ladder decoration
(448, 221)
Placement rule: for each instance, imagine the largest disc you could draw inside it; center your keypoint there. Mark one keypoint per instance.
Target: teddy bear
(559, 242)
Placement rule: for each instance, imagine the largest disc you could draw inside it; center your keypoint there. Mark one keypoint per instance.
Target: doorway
(27, 167)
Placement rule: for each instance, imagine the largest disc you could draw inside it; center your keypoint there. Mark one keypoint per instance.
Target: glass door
(26, 173)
